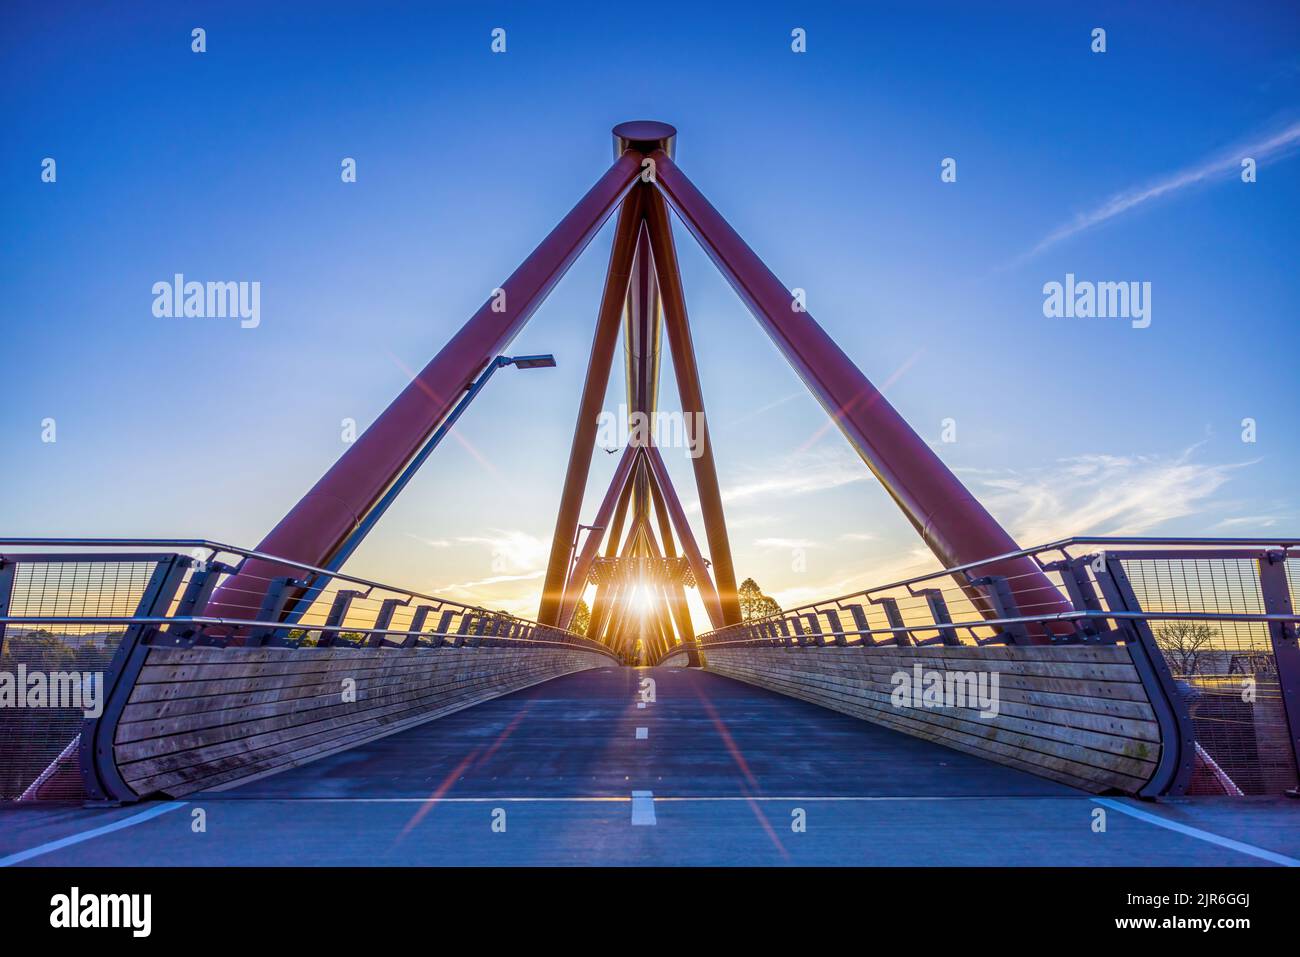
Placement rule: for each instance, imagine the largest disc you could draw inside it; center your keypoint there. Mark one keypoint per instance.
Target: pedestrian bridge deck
(727, 765)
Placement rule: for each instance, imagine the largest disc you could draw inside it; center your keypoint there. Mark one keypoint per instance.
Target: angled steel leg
(616, 631)
(676, 592)
(582, 567)
(957, 528)
(600, 611)
(664, 519)
(315, 527)
(666, 611)
(614, 535)
(642, 329)
(703, 580)
(599, 366)
(641, 336)
(692, 398)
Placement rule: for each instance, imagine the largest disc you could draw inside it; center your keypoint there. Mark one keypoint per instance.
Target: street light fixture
(531, 362)
(363, 528)
(573, 546)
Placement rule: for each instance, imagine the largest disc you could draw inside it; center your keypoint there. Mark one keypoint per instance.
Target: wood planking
(202, 717)
(674, 659)
(311, 744)
(373, 714)
(1075, 714)
(450, 674)
(149, 715)
(942, 727)
(876, 683)
(373, 710)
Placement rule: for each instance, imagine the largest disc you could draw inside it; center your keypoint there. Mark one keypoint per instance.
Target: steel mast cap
(645, 136)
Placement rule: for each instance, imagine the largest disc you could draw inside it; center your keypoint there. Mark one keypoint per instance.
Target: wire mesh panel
(71, 589)
(50, 664)
(1225, 671)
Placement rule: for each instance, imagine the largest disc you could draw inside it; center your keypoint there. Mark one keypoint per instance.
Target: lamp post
(371, 517)
(573, 549)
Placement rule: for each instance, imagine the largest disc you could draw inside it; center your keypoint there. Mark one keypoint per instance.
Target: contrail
(1275, 145)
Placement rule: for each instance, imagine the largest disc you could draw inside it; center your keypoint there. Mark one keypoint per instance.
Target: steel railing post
(1283, 634)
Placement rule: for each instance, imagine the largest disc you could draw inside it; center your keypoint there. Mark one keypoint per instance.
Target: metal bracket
(862, 625)
(197, 592)
(384, 619)
(416, 627)
(999, 595)
(784, 626)
(939, 613)
(277, 596)
(1083, 596)
(836, 628)
(800, 636)
(337, 614)
(815, 633)
(895, 617)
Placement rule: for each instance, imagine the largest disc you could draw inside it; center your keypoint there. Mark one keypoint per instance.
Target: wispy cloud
(752, 520)
(785, 543)
(1271, 146)
(768, 407)
(431, 542)
(904, 561)
(801, 473)
(1248, 521)
(492, 580)
(1103, 495)
(514, 555)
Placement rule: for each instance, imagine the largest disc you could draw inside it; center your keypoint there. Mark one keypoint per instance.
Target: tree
(1184, 643)
(753, 603)
(581, 618)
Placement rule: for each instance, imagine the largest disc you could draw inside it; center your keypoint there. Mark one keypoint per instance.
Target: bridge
(1088, 701)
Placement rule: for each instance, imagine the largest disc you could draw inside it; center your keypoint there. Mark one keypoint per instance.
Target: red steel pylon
(643, 284)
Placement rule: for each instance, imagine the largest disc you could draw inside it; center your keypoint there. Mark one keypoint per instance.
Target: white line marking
(424, 800)
(498, 799)
(63, 842)
(641, 705)
(642, 734)
(1197, 833)
(643, 808)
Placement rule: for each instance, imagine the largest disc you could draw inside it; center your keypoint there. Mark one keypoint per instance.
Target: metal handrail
(218, 548)
(1019, 620)
(1059, 545)
(202, 621)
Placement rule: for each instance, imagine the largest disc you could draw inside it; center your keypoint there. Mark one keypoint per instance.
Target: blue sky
(225, 166)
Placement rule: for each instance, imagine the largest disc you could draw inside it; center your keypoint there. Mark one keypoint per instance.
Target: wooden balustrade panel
(1076, 714)
(674, 659)
(200, 718)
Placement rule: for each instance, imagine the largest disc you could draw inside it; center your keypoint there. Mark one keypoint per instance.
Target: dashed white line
(642, 733)
(643, 808)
